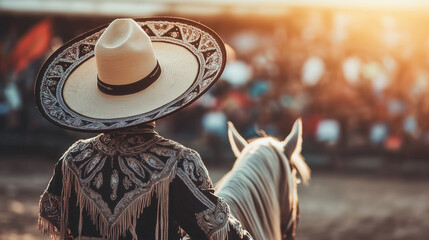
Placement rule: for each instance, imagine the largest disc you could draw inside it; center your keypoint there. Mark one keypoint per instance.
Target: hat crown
(124, 53)
(81, 95)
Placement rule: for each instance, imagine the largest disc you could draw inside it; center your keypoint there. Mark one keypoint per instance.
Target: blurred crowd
(358, 80)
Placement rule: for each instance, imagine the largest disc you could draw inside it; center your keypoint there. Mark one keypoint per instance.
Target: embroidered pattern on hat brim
(201, 41)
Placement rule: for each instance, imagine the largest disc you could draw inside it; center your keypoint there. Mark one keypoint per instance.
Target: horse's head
(289, 152)
(291, 145)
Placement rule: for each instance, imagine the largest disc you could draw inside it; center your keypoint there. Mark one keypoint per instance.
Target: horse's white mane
(266, 154)
(261, 188)
(261, 147)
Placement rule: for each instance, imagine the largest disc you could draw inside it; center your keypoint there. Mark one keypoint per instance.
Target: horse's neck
(286, 185)
(264, 158)
(255, 190)
(288, 198)
(273, 169)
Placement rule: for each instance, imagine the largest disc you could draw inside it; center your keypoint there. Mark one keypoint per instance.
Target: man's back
(134, 184)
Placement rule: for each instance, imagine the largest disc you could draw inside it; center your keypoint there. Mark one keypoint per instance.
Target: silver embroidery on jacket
(147, 168)
(114, 182)
(236, 225)
(127, 183)
(213, 219)
(50, 206)
(195, 175)
(98, 180)
(137, 160)
(194, 167)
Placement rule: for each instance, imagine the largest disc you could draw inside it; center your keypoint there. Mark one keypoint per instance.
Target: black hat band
(131, 88)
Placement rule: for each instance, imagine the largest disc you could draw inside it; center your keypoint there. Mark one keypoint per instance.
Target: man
(129, 182)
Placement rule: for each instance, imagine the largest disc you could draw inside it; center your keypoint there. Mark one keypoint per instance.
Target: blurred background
(356, 72)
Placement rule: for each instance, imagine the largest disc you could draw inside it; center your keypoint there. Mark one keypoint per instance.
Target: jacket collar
(134, 130)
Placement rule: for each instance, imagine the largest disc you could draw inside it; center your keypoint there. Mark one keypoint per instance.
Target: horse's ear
(293, 142)
(236, 140)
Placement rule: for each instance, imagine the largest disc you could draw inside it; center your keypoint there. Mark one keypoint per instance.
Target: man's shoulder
(184, 152)
(165, 142)
(191, 168)
(186, 155)
(81, 147)
(84, 148)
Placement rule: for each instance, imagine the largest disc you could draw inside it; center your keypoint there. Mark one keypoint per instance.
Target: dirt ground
(334, 205)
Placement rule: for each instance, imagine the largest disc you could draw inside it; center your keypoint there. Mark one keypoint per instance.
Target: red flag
(31, 46)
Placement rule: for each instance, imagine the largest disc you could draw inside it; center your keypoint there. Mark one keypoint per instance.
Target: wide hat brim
(189, 53)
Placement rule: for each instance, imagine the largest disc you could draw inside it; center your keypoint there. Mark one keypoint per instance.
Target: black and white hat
(129, 72)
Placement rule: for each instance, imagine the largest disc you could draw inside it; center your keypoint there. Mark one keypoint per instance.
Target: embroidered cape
(134, 184)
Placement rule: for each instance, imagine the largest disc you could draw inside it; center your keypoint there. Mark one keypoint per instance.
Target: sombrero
(128, 72)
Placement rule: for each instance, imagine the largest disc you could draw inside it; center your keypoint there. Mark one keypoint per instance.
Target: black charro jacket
(134, 184)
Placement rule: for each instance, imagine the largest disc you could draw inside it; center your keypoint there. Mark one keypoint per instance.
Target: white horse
(261, 188)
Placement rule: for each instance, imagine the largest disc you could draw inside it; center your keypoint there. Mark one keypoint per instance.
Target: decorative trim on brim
(201, 41)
